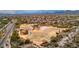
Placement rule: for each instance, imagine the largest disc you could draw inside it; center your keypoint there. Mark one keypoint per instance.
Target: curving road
(5, 41)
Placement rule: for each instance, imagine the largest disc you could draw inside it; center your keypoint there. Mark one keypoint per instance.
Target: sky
(29, 11)
(34, 11)
(7, 12)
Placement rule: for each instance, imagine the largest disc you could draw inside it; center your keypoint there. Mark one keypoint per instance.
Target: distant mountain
(39, 11)
(71, 12)
(26, 12)
(7, 14)
(48, 12)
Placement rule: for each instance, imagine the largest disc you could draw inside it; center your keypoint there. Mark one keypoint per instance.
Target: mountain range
(16, 12)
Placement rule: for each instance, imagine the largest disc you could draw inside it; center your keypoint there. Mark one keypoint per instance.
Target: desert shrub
(27, 41)
(15, 40)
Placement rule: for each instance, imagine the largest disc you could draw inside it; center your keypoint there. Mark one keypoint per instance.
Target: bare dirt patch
(44, 33)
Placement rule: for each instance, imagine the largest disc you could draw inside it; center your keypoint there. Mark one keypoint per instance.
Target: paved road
(6, 39)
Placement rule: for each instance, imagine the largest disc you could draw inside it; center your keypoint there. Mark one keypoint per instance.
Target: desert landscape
(40, 30)
(39, 35)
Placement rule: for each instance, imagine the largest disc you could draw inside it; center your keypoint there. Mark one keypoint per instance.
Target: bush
(15, 40)
(27, 41)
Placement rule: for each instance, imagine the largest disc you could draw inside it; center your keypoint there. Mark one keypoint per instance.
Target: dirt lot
(42, 34)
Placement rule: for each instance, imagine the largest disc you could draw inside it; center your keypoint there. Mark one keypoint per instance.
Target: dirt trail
(69, 38)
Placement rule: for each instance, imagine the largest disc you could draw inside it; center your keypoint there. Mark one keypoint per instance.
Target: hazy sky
(7, 11)
(28, 11)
